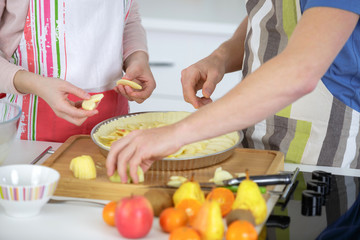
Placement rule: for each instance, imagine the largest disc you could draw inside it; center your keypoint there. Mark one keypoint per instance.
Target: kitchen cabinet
(180, 33)
(173, 46)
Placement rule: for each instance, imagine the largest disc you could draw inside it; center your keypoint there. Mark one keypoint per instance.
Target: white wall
(220, 11)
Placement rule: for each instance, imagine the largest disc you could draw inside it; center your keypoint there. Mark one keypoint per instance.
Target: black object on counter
(323, 177)
(311, 203)
(320, 187)
(317, 186)
(278, 221)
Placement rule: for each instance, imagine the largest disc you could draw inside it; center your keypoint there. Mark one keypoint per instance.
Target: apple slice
(116, 178)
(132, 84)
(91, 103)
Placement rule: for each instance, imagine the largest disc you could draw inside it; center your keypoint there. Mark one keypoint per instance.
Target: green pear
(190, 189)
(249, 197)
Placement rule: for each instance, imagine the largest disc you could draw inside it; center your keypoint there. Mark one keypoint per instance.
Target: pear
(249, 197)
(208, 221)
(190, 189)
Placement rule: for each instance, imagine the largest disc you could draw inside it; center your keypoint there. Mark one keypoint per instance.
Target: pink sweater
(13, 14)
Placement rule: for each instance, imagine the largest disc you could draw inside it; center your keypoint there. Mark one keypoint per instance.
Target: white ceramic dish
(168, 164)
(25, 189)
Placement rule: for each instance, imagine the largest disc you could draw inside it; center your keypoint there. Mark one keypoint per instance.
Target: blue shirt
(343, 76)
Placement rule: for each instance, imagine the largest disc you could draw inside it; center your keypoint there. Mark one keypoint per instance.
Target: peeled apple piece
(176, 181)
(116, 178)
(83, 167)
(91, 103)
(126, 82)
(220, 175)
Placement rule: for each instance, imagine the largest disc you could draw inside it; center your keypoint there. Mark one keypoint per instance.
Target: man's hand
(205, 75)
(140, 148)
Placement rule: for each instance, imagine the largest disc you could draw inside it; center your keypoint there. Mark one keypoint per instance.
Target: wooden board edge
(277, 164)
(50, 161)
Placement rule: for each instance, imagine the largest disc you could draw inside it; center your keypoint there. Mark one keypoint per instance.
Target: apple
(134, 216)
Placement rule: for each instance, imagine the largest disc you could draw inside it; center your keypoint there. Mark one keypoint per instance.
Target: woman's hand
(55, 92)
(205, 75)
(141, 148)
(137, 69)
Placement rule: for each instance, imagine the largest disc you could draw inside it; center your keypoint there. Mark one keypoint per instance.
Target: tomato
(108, 213)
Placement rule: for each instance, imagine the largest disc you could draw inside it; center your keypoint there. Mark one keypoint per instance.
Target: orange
(241, 230)
(184, 233)
(225, 197)
(190, 206)
(108, 213)
(172, 218)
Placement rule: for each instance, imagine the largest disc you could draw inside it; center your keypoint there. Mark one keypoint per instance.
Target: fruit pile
(189, 214)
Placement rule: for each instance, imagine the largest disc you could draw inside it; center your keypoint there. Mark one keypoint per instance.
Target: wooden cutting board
(258, 162)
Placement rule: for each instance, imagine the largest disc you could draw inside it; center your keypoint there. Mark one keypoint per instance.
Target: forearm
(134, 38)
(261, 94)
(277, 83)
(26, 82)
(231, 52)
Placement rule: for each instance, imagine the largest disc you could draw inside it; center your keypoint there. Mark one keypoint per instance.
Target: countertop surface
(81, 221)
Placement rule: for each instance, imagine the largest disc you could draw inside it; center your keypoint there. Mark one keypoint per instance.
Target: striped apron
(317, 129)
(77, 41)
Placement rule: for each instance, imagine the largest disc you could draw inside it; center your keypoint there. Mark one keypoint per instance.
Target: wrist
(139, 57)
(184, 132)
(229, 55)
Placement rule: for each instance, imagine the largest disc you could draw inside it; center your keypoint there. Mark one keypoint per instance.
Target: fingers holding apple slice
(119, 157)
(140, 173)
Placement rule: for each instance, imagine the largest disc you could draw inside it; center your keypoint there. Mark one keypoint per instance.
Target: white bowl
(25, 189)
(9, 121)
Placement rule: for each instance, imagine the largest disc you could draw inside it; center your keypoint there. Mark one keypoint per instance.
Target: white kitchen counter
(79, 221)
